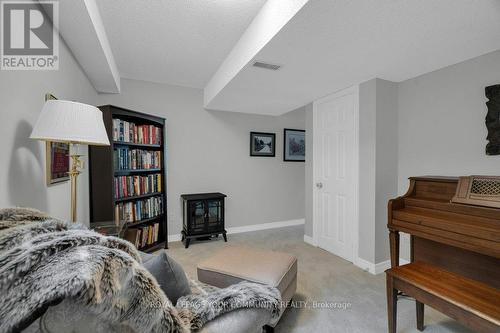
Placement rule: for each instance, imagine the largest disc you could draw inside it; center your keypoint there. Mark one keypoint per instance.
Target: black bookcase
(203, 216)
(103, 170)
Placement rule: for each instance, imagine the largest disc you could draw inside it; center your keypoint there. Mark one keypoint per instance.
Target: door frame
(354, 90)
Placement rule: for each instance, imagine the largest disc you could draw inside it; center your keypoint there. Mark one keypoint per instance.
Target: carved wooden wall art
(493, 119)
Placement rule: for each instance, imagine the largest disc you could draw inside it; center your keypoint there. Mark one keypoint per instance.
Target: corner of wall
(309, 174)
(386, 161)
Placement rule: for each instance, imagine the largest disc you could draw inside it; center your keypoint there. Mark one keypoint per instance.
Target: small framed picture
(262, 144)
(294, 145)
(56, 158)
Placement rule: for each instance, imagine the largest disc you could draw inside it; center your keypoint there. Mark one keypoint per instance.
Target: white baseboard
(309, 240)
(365, 265)
(264, 226)
(381, 267)
(250, 228)
(377, 268)
(174, 238)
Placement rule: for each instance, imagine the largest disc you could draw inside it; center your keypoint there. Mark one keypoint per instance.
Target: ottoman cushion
(235, 264)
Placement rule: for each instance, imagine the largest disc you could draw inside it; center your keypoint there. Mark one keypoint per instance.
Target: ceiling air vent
(266, 66)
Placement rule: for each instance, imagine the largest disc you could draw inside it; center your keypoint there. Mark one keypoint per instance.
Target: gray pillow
(169, 274)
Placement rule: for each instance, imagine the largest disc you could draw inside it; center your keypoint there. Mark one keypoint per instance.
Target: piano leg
(392, 304)
(394, 244)
(420, 315)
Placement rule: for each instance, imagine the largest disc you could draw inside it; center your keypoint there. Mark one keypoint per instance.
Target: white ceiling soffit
(81, 27)
(332, 44)
(268, 22)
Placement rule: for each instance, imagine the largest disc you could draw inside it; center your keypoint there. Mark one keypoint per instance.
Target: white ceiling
(180, 42)
(322, 45)
(332, 44)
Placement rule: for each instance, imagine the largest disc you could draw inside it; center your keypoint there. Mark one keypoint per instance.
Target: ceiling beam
(81, 27)
(269, 21)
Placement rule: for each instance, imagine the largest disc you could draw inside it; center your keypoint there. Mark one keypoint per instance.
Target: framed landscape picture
(262, 144)
(294, 145)
(56, 159)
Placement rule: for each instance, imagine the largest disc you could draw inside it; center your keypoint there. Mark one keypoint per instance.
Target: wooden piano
(455, 255)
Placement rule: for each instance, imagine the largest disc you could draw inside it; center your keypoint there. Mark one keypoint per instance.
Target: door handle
(319, 185)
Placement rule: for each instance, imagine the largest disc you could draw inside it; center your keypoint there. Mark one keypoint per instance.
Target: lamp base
(76, 163)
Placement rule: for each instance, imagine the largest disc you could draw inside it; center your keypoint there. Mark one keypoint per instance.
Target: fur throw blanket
(44, 261)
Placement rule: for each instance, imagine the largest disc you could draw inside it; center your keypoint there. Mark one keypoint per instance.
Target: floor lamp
(73, 123)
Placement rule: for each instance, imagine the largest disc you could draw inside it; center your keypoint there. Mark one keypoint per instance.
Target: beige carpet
(323, 277)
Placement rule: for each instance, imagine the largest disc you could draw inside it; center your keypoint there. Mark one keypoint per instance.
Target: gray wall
(441, 122)
(22, 166)
(429, 125)
(209, 151)
(439, 118)
(378, 149)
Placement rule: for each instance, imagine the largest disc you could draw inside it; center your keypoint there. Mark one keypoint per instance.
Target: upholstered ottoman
(235, 264)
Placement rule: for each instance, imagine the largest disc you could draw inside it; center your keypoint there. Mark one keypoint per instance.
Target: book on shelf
(133, 236)
(143, 236)
(130, 186)
(136, 159)
(138, 210)
(129, 132)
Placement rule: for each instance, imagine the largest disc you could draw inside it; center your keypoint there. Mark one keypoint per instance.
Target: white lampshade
(66, 121)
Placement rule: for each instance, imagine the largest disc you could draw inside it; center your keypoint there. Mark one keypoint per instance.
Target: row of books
(138, 210)
(134, 159)
(130, 186)
(143, 236)
(125, 131)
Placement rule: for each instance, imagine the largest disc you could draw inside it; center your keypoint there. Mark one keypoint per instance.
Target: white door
(336, 172)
